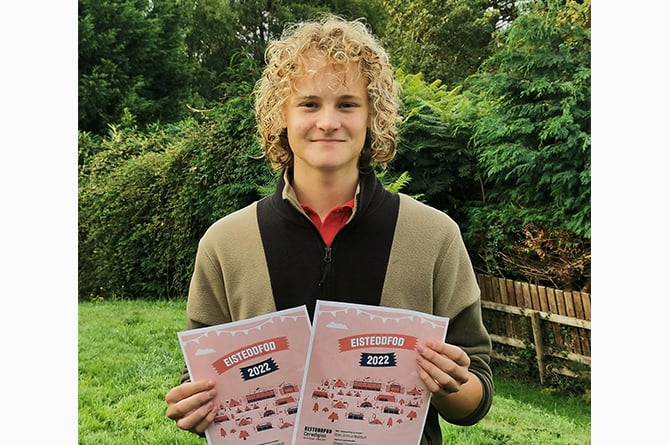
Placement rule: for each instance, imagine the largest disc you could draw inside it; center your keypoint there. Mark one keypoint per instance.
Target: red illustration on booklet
(361, 385)
(258, 367)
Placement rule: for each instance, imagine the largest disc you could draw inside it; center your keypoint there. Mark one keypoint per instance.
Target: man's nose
(328, 119)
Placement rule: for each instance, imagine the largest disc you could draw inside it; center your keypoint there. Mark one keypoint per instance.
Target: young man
(327, 107)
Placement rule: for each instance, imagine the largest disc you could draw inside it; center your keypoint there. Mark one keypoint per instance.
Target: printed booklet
(258, 366)
(361, 385)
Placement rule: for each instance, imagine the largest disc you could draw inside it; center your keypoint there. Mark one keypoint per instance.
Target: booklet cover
(361, 383)
(258, 367)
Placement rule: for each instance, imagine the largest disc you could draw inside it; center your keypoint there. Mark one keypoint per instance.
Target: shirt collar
(288, 194)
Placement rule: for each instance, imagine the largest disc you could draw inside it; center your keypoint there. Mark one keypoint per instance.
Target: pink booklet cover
(258, 367)
(361, 384)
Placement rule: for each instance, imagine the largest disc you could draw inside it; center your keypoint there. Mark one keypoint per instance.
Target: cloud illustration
(204, 352)
(333, 325)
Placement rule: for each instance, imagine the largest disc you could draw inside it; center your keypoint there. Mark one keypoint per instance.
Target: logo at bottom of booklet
(316, 433)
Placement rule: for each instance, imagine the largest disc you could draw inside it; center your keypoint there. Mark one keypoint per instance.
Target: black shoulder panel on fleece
(295, 251)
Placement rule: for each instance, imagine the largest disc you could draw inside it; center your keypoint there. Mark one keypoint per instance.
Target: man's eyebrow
(306, 97)
(351, 97)
(342, 97)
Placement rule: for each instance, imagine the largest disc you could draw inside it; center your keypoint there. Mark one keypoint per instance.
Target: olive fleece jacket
(394, 251)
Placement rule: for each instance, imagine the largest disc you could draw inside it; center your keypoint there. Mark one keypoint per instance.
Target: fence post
(538, 343)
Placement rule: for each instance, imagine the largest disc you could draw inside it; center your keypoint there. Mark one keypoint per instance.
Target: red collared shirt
(334, 221)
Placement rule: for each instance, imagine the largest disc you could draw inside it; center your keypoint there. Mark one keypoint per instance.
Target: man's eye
(309, 105)
(348, 105)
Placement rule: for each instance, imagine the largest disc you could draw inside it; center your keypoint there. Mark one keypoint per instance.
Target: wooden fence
(555, 323)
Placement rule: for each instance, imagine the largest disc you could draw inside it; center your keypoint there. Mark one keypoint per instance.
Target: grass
(524, 414)
(129, 357)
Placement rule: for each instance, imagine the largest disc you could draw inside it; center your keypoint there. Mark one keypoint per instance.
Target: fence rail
(553, 322)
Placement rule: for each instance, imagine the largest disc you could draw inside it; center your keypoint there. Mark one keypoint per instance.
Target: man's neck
(323, 192)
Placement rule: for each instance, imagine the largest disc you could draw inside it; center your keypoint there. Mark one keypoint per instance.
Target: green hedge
(145, 199)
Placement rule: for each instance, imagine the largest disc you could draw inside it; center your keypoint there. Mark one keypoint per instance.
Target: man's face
(326, 115)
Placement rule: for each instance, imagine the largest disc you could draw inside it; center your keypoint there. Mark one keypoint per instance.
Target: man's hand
(443, 367)
(191, 405)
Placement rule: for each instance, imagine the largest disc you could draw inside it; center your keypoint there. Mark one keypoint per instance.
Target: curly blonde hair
(340, 42)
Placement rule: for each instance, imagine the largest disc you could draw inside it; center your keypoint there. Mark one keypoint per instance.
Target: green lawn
(129, 357)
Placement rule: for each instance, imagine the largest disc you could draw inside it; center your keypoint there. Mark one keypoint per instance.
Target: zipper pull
(327, 259)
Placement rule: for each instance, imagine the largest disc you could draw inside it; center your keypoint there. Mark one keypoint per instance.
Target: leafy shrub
(532, 139)
(433, 145)
(145, 199)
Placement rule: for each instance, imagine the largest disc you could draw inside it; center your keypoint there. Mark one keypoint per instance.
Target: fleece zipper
(327, 266)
